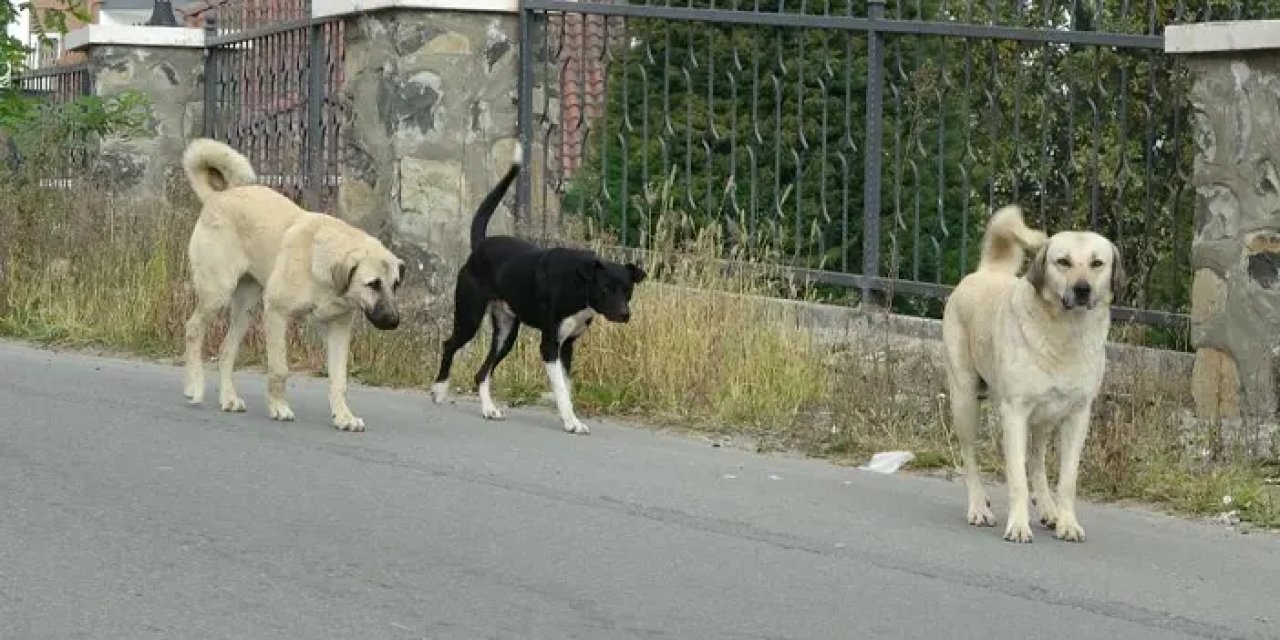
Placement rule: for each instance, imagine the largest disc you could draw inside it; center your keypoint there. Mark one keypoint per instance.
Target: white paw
(492, 413)
(1048, 513)
(232, 404)
(574, 425)
(194, 396)
(280, 411)
(1018, 531)
(348, 423)
(1067, 529)
(439, 392)
(980, 514)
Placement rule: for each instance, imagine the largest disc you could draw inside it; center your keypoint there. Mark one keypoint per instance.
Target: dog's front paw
(1018, 532)
(439, 392)
(980, 515)
(232, 404)
(574, 425)
(1068, 530)
(348, 422)
(492, 412)
(280, 410)
(194, 395)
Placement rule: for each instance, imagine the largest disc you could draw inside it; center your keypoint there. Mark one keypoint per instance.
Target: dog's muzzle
(1080, 295)
(621, 316)
(383, 317)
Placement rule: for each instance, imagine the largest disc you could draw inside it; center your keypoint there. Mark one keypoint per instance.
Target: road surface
(125, 513)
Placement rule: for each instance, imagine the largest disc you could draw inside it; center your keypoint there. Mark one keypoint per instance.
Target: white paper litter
(888, 461)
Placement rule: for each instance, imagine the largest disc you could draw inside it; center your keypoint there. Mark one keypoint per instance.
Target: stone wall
(172, 81)
(433, 98)
(1236, 252)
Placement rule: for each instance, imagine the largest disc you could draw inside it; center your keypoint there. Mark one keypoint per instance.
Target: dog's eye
(1063, 262)
(1096, 264)
(376, 285)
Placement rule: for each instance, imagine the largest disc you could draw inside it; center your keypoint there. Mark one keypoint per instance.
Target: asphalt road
(125, 513)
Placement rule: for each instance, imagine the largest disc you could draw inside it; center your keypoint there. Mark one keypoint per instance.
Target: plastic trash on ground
(888, 461)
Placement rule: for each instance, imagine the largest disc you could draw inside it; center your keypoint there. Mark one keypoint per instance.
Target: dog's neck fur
(1080, 334)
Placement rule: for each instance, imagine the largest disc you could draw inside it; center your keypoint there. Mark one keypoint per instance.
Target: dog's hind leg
(551, 351)
(505, 331)
(1041, 496)
(962, 388)
(469, 305)
(212, 295)
(246, 297)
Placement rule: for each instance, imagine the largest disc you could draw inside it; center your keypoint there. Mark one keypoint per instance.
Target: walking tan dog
(1038, 344)
(251, 243)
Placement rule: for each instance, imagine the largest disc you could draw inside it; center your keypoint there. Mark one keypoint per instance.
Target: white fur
(575, 325)
(487, 407)
(564, 403)
(439, 392)
(251, 244)
(1042, 358)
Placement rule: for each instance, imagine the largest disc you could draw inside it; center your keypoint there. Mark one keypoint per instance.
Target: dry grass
(81, 269)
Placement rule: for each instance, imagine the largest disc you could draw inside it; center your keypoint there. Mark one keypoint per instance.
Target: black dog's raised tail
(480, 224)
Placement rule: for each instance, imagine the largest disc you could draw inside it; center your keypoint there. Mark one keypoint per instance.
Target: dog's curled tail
(212, 166)
(1007, 239)
(480, 224)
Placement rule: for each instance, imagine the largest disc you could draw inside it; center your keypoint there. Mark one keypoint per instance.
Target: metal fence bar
(313, 164)
(848, 23)
(875, 134)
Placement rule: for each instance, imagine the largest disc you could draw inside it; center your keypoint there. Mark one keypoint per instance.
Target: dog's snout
(383, 319)
(625, 315)
(1082, 290)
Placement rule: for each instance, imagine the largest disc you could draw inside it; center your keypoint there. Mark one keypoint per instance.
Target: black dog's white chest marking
(575, 325)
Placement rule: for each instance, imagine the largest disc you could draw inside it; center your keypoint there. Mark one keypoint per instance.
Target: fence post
(524, 116)
(871, 151)
(312, 166)
(211, 81)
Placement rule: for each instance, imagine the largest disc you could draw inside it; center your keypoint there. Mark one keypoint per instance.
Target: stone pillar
(432, 94)
(1235, 307)
(164, 64)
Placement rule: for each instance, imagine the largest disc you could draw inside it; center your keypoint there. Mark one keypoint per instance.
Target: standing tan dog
(1038, 344)
(251, 243)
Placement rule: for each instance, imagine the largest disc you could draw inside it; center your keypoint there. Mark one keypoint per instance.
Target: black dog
(556, 291)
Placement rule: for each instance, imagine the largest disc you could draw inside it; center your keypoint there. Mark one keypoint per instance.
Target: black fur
(540, 287)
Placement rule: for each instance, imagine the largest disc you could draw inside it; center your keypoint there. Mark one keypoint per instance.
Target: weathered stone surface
(434, 123)
(171, 80)
(1215, 385)
(1236, 295)
(1208, 295)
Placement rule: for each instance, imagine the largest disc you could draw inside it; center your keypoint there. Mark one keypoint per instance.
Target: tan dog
(251, 243)
(1038, 344)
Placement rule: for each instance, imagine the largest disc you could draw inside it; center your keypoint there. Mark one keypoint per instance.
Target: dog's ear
(588, 270)
(342, 274)
(637, 273)
(1035, 275)
(1119, 283)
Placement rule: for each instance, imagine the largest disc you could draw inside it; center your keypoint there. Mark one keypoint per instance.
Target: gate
(271, 91)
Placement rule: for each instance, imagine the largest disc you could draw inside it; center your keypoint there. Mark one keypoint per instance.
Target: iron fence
(57, 89)
(271, 91)
(863, 144)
